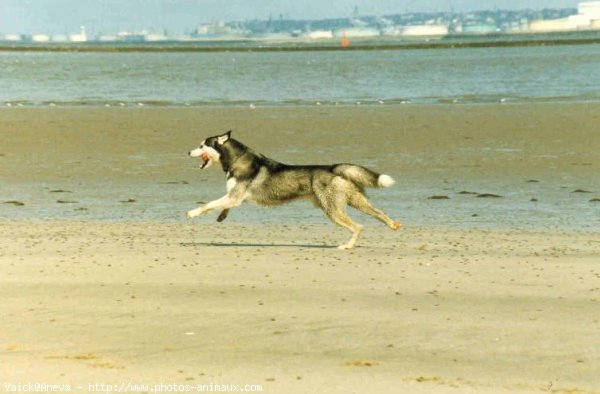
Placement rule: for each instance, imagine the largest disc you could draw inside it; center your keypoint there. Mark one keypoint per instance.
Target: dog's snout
(195, 152)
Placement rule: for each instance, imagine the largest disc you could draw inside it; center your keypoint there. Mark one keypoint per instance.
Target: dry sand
(425, 309)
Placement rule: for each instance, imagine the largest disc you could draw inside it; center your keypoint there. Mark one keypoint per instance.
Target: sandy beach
(426, 310)
(102, 280)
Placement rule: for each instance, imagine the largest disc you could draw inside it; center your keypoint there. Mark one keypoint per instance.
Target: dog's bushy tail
(362, 176)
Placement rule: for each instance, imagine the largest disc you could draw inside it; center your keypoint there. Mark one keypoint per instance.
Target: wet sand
(104, 296)
(88, 163)
(543, 141)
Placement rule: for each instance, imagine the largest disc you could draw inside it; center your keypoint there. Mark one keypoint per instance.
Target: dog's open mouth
(205, 160)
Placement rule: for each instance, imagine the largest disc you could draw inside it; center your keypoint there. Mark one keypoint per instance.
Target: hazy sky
(65, 16)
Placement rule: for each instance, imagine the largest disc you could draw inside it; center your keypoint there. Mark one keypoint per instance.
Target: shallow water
(557, 207)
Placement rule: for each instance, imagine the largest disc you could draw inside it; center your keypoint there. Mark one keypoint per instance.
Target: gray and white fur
(256, 178)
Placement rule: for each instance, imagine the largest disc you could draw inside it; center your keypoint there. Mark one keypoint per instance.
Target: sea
(244, 78)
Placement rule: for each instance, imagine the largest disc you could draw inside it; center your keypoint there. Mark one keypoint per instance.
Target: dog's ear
(224, 138)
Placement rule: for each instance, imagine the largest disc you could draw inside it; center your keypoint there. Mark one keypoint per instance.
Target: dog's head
(210, 149)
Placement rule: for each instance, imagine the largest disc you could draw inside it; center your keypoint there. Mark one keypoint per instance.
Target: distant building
(155, 37)
(591, 9)
(127, 36)
(218, 30)
(356, 32)
(40, 37)
(80, 37)
(134, 37)
(357, 29)
(587, 18)
(548, 25)
(60, 38)
(282, 36)
(318, 34)
(13, 37)
(424, 30)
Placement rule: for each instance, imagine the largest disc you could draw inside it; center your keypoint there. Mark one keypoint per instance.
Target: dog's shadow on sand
(255, 245)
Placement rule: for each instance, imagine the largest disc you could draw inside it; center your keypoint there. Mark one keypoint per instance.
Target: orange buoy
(345, 42)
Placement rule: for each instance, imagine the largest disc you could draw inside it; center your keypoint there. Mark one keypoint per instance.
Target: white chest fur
(231, 182)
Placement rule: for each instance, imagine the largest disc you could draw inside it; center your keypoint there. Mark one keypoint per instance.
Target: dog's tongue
(205, 159)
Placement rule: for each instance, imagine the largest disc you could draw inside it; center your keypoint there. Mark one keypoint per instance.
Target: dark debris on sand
(67, 202)
(15, 203)
(175, 183)
(488, 195)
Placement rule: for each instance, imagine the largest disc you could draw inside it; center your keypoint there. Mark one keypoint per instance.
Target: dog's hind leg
(340, 217)
(358, 200)
(333, 204)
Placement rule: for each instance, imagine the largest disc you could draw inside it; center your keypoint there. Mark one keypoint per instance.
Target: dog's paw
(395, 225)
(223, 215)
(345, 247)
(191, 214)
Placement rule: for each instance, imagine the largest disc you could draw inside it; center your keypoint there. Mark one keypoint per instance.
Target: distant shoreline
(253, 46)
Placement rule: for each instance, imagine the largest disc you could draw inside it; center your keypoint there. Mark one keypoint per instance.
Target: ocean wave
(451, 100)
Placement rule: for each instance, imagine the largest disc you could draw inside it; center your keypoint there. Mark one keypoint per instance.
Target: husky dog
(256, 178)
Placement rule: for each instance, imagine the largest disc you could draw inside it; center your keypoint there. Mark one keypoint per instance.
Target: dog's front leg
(225, 203)
(223, 215)
(215, 204)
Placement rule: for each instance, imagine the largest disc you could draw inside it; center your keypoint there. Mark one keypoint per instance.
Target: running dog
(256, 178)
